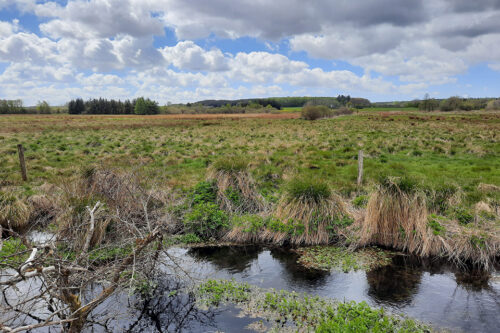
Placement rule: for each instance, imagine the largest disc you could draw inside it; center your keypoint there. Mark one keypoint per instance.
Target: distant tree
(43, 107)
(145, 106)
(76, 106)
(359, 103)
(451, 104)
(428, 104)
(12, 106)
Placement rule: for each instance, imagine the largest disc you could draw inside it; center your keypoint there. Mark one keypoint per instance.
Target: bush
(203, 192)
(313, 112)
(342, 111)
(206, 220)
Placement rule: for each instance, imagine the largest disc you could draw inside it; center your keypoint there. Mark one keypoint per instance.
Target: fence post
(20, 150)
(360, 167)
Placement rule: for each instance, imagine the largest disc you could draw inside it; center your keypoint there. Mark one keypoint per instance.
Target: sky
(182, 51)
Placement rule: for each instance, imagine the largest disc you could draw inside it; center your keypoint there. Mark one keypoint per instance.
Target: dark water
(434, 292)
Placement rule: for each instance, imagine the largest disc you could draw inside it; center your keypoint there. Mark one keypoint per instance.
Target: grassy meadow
(275, 177)
(437, 149)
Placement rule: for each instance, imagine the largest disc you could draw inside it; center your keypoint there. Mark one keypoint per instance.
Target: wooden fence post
(360, 167)
(20, 150)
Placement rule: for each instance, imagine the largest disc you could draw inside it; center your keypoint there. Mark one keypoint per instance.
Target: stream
(436, 293)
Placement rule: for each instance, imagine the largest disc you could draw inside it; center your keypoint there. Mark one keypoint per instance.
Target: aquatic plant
(303, 312)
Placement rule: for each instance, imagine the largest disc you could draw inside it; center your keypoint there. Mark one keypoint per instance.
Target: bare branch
(92, 227)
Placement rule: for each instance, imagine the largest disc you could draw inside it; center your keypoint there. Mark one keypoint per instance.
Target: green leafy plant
(206, 220)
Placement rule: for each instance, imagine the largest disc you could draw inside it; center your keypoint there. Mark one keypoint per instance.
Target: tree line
(281, 102)
(140, 105)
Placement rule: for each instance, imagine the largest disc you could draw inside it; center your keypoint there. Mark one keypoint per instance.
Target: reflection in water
(394, 284)
(169, 311)
(233, 258)
(300, 275)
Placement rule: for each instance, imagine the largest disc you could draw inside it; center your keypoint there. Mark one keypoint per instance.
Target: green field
(436, 149)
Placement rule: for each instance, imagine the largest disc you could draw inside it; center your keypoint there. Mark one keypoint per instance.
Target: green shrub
(206, 220)
(313, 112)
(203, 192)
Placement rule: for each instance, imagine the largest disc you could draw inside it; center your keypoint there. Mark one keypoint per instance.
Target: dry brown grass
(43, 210)
(396, 218)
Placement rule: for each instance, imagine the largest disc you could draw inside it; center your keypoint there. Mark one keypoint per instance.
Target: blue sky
(189, 50)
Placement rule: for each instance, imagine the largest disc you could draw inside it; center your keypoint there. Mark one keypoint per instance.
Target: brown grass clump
(396, 216)
(14, 213)
(236, 190)
(313, 209)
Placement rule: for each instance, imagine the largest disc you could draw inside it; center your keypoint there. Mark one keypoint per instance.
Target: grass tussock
(313, 206)
(396, 216)
(14, 213)
(236, 190)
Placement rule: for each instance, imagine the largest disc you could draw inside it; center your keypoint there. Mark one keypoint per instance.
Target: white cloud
(99, 19)
(188, 55)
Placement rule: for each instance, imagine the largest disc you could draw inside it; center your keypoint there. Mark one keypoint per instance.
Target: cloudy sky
(188, 50)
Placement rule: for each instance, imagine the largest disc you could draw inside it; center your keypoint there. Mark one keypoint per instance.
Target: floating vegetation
(341, 258)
